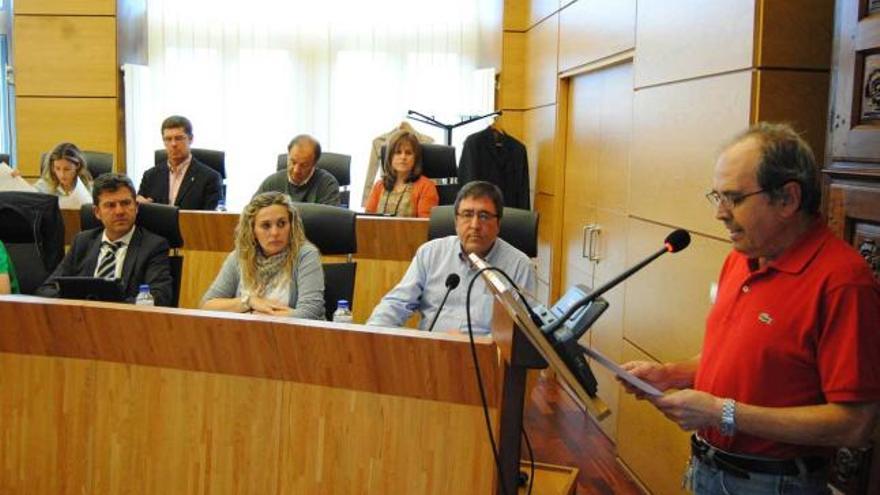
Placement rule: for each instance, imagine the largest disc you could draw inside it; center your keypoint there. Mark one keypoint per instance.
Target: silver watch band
(727, 425)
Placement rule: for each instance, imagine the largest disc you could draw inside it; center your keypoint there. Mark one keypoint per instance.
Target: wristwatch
(728, 417)
(245, 302)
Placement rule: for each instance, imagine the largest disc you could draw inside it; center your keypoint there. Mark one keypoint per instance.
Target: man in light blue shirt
(478, 210)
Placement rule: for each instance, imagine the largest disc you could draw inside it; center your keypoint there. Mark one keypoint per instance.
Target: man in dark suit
(183, 181)
(119, 250)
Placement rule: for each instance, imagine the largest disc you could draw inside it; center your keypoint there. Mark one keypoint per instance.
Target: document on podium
(10, 183)
(623, 374)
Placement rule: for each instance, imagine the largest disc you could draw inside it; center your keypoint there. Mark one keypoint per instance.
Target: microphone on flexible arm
(451, 283)
(674, 242)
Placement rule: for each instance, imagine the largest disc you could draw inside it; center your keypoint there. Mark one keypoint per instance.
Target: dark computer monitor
(90, 288)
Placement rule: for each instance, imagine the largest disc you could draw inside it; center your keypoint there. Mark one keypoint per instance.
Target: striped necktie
(107, 267)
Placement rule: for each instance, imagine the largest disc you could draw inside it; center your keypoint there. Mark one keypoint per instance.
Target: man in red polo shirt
(790, 366)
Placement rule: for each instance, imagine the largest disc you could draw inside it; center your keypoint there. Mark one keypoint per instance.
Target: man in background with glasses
(790, 366)
(182, 181)
(478, 209)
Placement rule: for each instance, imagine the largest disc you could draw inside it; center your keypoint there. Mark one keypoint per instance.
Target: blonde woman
(403, 191)
(65, 175)
(274, 270)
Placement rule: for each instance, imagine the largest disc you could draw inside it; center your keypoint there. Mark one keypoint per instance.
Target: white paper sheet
(10, 183)
(623, 374)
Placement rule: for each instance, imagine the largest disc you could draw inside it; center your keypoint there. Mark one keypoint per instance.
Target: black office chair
(337, 164)
(97, 162)
(160, 219)
(4, 158)
(214, 159)
(518, 227)
(332, 231)
(33, 233)
(438, 163)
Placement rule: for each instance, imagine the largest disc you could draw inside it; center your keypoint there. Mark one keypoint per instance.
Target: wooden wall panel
(583, 141)
(545, 205)
(590, 30)
(539, 126)
(799, 98)
(615, 112)
(65, 56)
(606, 335)
(795, 34)
(41, 123)
(678, 131)
(65, 7)
(653, 447)
(575, 268)
(541, 63)
(511, 121)
(598, 142)
(667, 302)
(692, 38)
(539, 10)
(513, 83)
(516, 15)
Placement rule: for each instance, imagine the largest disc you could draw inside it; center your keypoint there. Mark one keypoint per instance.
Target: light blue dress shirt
(424, 284)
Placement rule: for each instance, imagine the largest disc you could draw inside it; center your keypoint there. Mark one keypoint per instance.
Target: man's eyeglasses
(482, 216)
(729, 200)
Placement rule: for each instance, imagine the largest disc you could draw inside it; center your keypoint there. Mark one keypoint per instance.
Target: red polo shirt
(804, 330)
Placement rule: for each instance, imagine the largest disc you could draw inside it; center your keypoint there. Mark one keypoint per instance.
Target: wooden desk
(385, 248)
(112, 398)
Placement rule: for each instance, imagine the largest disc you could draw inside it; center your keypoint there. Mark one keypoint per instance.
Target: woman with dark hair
(65, 175)
(8, 281)
(403, 191)
(274, 270)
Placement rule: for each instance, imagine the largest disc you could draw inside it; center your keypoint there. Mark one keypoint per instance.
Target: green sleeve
(7, 268)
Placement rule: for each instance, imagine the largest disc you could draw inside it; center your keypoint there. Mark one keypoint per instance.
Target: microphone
(451, 283)
(674, 242)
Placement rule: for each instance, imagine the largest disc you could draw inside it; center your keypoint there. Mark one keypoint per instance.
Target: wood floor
(561, 433)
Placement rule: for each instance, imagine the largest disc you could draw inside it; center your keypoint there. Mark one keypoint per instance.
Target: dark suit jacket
(499, 159)
(200, 189)
(146, 262)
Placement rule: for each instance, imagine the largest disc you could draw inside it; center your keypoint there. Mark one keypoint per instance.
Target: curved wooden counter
(112, 398)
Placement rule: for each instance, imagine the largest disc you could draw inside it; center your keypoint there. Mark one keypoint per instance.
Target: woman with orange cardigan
(403, 191)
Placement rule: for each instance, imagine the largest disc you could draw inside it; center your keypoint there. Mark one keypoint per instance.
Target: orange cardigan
(423, 196)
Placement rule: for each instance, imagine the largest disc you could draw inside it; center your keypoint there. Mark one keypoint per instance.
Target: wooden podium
(108, 398)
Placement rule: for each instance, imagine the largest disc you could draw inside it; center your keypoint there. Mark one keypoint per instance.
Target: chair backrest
(98, 163)
(447, 193)
(212, 158)
(160, 219)
(329, 228)
(4, 158)
(518, 227)
(438, 161)
(33, 232)
(332, 230)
